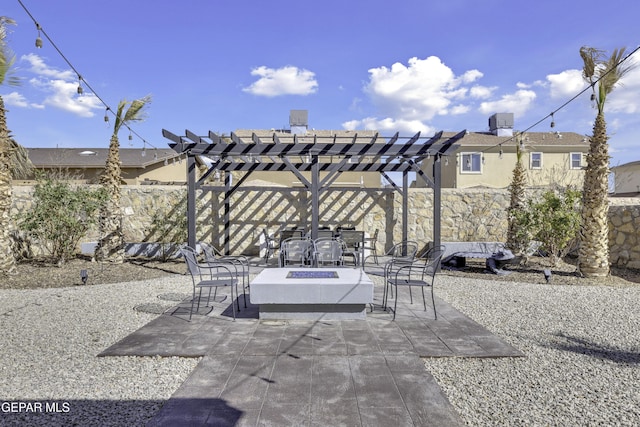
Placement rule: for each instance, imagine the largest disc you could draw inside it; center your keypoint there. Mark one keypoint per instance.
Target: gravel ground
(50, 339)
(582, 346)
(581, 340)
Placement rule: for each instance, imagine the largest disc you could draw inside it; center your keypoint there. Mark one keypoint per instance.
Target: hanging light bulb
(38, 39)
(80, 90)
(166, 161)
(553, 123)
(446, 161)
(130, 136)
(483, 159)
(106, 115)
(468, 162)
(143, 153)
(500, 153)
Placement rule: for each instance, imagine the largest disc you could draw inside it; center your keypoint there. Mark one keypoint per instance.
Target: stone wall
(467, 215)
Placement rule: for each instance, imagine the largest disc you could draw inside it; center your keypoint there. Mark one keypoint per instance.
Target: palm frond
(136, 112)
(7, 57)
(20, 163)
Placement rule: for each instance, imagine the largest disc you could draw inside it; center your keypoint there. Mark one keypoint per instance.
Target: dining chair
(240, 263)
(296, 251)
(209, 275)
(327, 251)
(416, 274)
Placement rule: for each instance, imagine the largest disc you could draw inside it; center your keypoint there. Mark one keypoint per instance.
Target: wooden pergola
(232, 154)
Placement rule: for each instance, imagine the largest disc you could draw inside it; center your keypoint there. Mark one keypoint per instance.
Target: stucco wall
(467, 215)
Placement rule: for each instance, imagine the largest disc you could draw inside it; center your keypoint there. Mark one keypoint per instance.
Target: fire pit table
(312, 293)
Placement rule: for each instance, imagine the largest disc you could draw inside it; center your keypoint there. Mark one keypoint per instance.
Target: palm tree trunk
(7, 260)
(593, 258)
(111, 244)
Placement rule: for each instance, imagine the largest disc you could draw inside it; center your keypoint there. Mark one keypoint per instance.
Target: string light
(500, 153)
(553, 123)
(80, 89)
(38, 39)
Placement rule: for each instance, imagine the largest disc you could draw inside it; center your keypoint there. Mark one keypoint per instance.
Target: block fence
(467, 215)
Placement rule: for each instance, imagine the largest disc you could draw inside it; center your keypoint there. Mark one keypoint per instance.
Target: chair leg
(395, 305)
(424, 302)
(410, 295)
(433, 301)
(193, 301)
(233, 309)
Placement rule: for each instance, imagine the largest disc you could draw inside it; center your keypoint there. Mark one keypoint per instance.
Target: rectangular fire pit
(312, 293)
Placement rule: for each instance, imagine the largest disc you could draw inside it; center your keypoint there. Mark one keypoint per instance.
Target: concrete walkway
(311, 373)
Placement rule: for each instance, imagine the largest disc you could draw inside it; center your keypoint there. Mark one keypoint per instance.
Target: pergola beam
(392, 156)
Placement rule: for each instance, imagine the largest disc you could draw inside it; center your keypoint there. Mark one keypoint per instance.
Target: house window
(535, 161)
(471, 163)
(576, 160)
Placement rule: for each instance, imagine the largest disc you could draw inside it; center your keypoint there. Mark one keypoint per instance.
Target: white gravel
(50, 339)
(582, 346)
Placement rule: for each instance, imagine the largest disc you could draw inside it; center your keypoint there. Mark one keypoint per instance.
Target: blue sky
(405, 65)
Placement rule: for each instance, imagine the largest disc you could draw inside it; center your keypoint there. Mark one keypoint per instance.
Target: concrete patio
(311, 373)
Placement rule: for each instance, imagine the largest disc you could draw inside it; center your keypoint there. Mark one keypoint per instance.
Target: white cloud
(288, 80)
(481, 92)
(16, 99)
(389, 124)
(59, 89)
(39, 68)
(625, 98)
(565, 84)
(517, 103)
(420, 90)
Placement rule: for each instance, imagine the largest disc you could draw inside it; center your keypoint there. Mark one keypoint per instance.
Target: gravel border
(583, 354)
(50, 339)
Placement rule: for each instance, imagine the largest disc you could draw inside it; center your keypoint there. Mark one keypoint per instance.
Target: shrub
(61, 215)
(554, 220)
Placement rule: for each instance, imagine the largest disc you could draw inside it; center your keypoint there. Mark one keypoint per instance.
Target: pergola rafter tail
(331, 155)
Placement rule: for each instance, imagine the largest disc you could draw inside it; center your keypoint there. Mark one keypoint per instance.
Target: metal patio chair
(418, 273)
(327, 251)
(353, 245)
(240, 264)
(270, 245)
(209, 275)
(370, 245)
(297, 252)
(400, 254)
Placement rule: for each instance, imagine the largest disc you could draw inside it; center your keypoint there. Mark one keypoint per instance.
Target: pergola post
(405, 206)
(315, 196)
(191, 200)
(437, 199)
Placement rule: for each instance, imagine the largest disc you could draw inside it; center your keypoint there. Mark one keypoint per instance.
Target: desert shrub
(554, 220)
(61, 215)
(169, 227)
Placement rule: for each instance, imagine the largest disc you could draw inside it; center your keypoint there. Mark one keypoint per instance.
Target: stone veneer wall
(467, 215)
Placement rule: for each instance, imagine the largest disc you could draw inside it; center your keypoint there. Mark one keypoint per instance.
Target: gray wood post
(191, 201)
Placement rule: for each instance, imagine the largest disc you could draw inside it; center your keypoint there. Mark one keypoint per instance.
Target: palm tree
(13, 158)
(111, 243)
(602, 74)
(515, 239)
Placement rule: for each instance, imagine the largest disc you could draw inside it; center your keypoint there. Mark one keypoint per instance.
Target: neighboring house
(298, 121)
(139, 166)
(487, 159)
(626, 179)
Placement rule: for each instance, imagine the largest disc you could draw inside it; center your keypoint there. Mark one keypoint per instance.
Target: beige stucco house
(139, 166)
(626, 179)
(487, 159)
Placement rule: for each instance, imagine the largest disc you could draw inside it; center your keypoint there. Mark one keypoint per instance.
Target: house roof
(626, 165)
(531, 139)
(96, 157)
